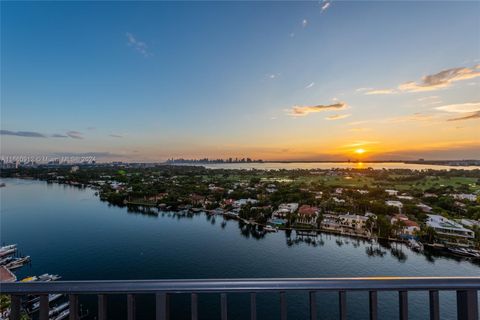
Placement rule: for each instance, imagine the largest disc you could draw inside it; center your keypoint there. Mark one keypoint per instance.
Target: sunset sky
(272, 80)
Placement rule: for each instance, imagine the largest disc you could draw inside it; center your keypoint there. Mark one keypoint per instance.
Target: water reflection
(378, 248)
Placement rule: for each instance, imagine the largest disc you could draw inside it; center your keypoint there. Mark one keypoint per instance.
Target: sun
(360, 151)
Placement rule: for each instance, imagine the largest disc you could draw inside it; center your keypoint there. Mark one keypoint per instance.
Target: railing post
(161, 306)
(44, 307)
(102, 307)
(223, 306)
(194, 306)
(283, 306)
(73, 299)
(253, 306)
(467, 305)
(403, 304)
(373, 305)
(15, 307)
(313, 305)
(342, 305)
(434, 305)
(130, 307)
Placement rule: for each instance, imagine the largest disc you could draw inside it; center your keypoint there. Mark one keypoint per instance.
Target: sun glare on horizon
(360, 151)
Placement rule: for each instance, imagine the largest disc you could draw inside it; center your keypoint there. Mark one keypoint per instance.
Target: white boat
(415, 245)
(58, 309)
(17, 263)
(51, 297)
(62, 315)
(8, 250)
(48, 277)
(269, 228)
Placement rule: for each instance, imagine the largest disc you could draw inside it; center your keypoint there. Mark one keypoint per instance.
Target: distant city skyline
(330, 80)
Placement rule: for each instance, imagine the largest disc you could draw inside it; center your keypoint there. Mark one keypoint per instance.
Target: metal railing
(465, 287)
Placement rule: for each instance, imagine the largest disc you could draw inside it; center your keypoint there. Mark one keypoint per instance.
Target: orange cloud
(299, 111)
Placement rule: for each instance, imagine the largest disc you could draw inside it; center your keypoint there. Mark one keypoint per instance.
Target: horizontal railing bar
(242, 285)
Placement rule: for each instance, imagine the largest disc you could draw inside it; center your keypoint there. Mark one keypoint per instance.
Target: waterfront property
(449, 230)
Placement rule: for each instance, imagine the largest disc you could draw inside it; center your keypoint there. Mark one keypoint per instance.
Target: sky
(271, 80)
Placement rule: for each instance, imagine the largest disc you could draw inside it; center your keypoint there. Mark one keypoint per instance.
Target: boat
(58, 309)
(464, 252)
(269, 228)
(51, 297)
(43, 277)
(48, 277)
(62, 315)
(8, 250)
(17, 263)
(6, 260)
(415, 245)
(29, 279)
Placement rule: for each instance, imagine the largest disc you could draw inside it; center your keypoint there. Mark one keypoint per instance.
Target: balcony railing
(465, 287)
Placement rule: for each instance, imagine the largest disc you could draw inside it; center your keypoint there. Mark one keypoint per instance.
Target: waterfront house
(284, 209)
(353, 221)
(307, 215)
(449, 230)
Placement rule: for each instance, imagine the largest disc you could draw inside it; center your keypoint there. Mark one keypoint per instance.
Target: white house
(447, 227)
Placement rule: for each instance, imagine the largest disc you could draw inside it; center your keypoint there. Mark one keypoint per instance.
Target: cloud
(272, 76)
(440, 80)
(475, 115)
(363, 89)
(413, 117)
(139, 46)
(57, 135)
(380, 91)
(298, 111)
(311, 84)
(75, 134)
(338, 117)
(428, 98)
(461, 107)
(28, 134)
(325, 5)
(115, 135)
(304, 23)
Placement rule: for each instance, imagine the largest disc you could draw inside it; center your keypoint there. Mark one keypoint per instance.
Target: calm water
(70, 232)
(330, 165)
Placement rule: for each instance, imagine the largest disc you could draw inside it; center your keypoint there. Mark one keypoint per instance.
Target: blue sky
(272, 80)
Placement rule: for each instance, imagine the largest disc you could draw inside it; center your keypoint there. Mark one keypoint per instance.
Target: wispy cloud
(461, 107)
(428, 98)
(115, 135)
(311, 84)
(138, 45)
(363, 89)
(440, 80)
(304, 23)
(413, 117)
(272, 76)
(75, 134)
(380, 91)
(28, 134)
(33, 134)
(338, 117)
(474, 115)
(299, 111)
(325, 5)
